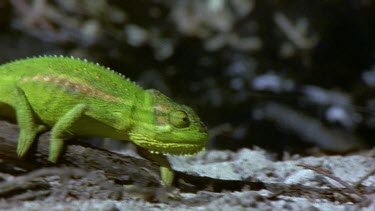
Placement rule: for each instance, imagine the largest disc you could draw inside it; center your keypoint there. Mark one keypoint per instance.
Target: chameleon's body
(75, 97)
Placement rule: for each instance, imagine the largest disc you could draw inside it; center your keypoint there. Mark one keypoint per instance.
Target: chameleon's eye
(179, 119)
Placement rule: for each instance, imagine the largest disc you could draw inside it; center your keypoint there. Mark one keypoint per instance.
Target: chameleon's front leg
(166, 171)
(29, 129)
(60, 130)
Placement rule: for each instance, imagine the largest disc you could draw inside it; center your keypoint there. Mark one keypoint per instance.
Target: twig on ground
(364, 178)
(329, 175)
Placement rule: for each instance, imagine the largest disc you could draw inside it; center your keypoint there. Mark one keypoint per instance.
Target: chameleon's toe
(27, 138)
(21, 151)
(24, 144)
(53, 158)
(41, 128)
(167, 175)
(55, 149)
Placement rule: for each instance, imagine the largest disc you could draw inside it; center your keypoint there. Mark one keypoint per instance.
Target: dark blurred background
(288, 76)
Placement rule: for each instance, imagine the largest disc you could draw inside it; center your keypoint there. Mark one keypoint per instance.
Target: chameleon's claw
(167, 175)
(21, 148)
(53, 157)
(24, 143)
(26, 139)
(41, 128)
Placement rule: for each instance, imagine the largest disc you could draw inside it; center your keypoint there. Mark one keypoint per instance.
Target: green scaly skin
(70, 96)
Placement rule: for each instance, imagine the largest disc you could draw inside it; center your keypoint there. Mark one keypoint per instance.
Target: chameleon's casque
(73, 96)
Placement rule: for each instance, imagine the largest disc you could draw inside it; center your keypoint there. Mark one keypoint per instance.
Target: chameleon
(74, 97)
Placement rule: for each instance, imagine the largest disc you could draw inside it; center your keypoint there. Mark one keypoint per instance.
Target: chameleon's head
(169, 128)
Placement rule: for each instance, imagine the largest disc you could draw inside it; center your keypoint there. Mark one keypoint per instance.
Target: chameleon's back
(53, 85)
(49, 69)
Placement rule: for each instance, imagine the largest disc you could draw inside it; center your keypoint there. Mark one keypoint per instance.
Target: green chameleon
(73, 96)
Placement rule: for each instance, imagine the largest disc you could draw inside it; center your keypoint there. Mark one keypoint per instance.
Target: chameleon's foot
(167, 175)
(166, 172)
(56, 146)
(59, 130)
(24, 143)
(27, 138)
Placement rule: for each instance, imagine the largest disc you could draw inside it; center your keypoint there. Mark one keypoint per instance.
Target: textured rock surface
(282, 185)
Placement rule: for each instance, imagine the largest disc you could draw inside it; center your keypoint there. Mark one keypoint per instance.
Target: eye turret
(179, 119)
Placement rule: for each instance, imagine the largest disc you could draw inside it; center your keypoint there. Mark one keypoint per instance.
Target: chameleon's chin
(170, 148)
(173, 148)
(164, 147)
(179, 152)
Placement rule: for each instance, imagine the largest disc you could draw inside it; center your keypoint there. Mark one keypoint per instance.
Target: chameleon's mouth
(181, 147)
(176, 149)
(170, 148)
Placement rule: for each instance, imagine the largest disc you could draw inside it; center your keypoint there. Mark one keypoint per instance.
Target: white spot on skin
(56, 80)
(36, 77)
(67, 84)
(83, 89)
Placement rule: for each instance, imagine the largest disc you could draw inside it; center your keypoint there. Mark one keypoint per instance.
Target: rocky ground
(92, 179)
